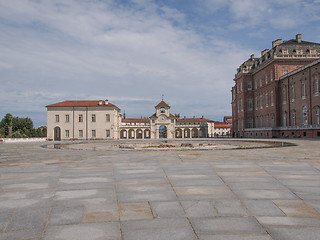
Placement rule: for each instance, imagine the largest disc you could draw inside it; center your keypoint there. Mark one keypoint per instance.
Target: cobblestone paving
(247, 194)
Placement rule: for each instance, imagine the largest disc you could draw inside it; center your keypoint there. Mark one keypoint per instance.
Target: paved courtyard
(245, 194)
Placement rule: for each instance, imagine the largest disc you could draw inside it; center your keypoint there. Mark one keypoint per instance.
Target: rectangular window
(93, 133)
(93, 118)
(267, 102)
(249, 85)
(81, 133)
(303, 90)
(67, 118)
(312, 51)
(317, 117)
(250, 123)
(261, 102)
(316, 86)
(285, 52)
(256, 102)
(80, 118)
(271, 96)
(107, 133)
(250, 104)
(107, 117)
(266, 78)
(292, 93)
(260, 82)
(57, 118)
(271, 76)
(67, 133)
(293, 118)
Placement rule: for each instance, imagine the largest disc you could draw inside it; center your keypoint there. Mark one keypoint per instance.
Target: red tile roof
(91, 103)
(163, 104)
(137, 120)
(221, 125)
(193, 120)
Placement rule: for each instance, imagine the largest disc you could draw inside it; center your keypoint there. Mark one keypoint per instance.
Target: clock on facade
(163, 118)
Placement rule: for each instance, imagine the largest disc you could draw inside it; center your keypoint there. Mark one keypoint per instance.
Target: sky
(134, 51)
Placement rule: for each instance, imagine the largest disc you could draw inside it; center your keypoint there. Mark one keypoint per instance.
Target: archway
(57, 134)
(186, 133)
(147, 133)
(139, 133)
(194, 133)
(203, 132)
(162, 131)
(131, 134)
(178, 133)
(123, 134)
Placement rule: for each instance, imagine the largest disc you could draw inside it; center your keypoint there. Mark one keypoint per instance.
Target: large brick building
(277, 94)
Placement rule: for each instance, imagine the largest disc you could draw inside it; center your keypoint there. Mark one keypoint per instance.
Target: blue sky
(133, 51)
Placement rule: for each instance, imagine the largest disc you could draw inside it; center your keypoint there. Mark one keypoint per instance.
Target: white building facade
(93, 120)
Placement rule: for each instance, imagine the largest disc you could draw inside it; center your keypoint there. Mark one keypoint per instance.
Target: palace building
(277, 94)
(93, 120)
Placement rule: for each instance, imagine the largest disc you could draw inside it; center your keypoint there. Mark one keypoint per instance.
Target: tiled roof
(221, 125)
(92, 103)
(163, 104)
(193, 120)
(137, 120)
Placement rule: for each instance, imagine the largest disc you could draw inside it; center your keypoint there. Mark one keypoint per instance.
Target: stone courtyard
(223, 194)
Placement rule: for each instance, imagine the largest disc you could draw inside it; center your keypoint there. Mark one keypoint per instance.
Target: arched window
(292, 93)
(293, 118)
(284, 119)
(317, 116)
(284, 95)
(316, 84)
(304, 115)
(303, 90)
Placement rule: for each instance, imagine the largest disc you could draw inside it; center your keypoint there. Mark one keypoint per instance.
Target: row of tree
(16, 127)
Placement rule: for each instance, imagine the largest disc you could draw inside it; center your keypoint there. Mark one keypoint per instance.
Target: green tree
(6, 122)
(21, 123)
(2, 132)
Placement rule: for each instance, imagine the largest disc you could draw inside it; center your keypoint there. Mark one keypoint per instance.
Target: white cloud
(131, 54)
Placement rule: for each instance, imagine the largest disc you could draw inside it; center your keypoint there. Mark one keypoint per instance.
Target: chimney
(252, 56)
(264, 52)
(276, 43)
(298, 38)
(106, 102)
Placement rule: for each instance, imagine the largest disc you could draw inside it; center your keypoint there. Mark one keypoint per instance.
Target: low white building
(89, 120)
(83, 120)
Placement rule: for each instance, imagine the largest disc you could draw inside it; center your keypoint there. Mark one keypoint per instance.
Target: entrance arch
(139, 133)
(57, 134)
(131, 134)
(123, 134)
(178, 133)
(147, 133)
(194, 133)
(203, 132)
(186, 133)
(162, 131)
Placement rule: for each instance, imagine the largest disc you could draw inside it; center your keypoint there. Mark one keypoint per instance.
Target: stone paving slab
(92, 231)
(295, 233)
(234, 237)
(226, 225)
(251, 194)
(263, 208)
